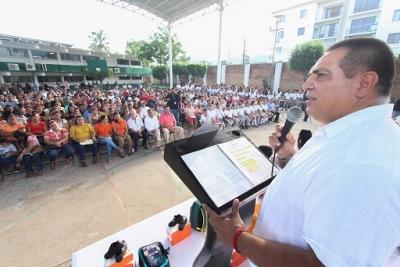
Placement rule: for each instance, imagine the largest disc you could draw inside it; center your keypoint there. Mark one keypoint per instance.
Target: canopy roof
(169, 11)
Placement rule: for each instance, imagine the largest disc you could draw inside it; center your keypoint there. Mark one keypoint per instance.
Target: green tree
(99, 42)
(197, 69)
(304, 56)
(179, 68)
(155, 49)
(100, 75)
(160, 72)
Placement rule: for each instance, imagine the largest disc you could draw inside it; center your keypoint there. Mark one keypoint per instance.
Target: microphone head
(294, 114)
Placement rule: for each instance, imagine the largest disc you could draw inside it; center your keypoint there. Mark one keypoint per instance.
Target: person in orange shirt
(103, 131)
(8, 129)
(121, 135)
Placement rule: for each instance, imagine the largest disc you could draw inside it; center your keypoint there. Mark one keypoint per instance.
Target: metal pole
(219, 67)
(273, 56)
(170, 56)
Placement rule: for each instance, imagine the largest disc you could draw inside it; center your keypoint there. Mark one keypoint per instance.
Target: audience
(85, 116)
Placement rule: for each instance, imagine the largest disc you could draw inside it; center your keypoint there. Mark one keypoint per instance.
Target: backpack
(198, 217)
(153, 255)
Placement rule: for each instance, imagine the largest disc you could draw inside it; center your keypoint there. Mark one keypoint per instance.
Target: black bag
(153, 255)
(198, 217)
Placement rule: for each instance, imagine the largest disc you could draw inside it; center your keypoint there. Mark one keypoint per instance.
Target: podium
(214, 252)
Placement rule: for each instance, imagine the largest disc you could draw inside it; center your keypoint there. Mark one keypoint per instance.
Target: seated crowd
(57, 119)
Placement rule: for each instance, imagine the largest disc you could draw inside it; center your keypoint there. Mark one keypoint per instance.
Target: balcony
(366, 28)
(325, 35)
(329, 14)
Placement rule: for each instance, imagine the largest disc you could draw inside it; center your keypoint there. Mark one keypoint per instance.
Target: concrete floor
(44, 220)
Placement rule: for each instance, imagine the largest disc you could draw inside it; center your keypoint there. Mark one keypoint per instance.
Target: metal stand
(214, 253)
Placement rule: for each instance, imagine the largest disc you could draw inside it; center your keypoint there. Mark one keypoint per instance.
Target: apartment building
(30, 60)
(333, 20)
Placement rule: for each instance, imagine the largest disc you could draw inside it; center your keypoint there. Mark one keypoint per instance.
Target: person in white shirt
(205, 117)
(336, 202)
(144, 110)
(153, 127)
(137, 130)
(288, 98)
(229, 118)
(235, 115)
(244, 116)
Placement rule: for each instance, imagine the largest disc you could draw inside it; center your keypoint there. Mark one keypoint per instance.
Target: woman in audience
(36, 127)
(95, 117)
(29, 147)
(304, 136)
(57, 140)
(103, 131)
(82, 134)
(125, 114)
(62, 123)
(72, 121)
(190, 115)
(103, 110)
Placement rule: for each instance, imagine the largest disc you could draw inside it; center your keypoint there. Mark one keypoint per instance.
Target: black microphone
(294, 114)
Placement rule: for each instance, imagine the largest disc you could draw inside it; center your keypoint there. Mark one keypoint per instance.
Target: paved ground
(43, 221)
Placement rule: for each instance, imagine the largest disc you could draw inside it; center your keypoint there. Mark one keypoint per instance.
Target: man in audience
(137, 130)
(272, 108)
(168, 125)
(173, 102)
(153, 126)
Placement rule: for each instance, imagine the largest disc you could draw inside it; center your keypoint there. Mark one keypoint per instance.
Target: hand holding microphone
(282, 140)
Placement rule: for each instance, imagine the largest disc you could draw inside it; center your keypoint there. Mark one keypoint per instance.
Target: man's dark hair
(368, 54)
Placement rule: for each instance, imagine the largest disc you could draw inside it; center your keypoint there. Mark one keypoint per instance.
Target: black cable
(273, 164)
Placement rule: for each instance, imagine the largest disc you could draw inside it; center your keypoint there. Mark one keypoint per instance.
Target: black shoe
(182, 223)
(247, 127)
(145, 147)
(175, 220)
(276, 121)
(114, 247)
(119, 255)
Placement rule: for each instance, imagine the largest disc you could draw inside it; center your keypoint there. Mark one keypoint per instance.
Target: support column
(170, 56)
(219, 66)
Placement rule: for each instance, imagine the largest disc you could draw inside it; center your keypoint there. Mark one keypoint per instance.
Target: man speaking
(337, 200)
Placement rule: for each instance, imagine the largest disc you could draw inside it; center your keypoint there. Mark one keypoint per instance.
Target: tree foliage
(100, 75)
(179, 68)
(197, 69)
(160, 72)
(99, 42)
(155, 49)
(304, 56)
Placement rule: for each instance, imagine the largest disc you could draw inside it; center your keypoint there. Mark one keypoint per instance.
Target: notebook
(229, 170)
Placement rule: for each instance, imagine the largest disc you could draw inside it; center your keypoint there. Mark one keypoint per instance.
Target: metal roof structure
(170, 11)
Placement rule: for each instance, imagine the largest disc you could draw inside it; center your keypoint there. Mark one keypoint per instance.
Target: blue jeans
(68, 149)
(109, 145)
(81, 149)
(38, 161)
(11, 160)
(175, 112)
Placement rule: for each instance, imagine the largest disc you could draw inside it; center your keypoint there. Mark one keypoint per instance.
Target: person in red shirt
(37, 127)
(168, 125)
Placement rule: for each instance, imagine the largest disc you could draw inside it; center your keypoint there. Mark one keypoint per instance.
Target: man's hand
(287, 148)
(225, 226)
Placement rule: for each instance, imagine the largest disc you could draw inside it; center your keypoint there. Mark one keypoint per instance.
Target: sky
(72, 21)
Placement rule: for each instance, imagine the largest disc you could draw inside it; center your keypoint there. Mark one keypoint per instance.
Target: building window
(73, 78)
(13, 52)
(124, 77)
(279, 50)
(19, 79)
(122, 62)
(89, 57)
(393, 38)
(303, 13)
(329, 30)
(136, 63)
(43, 54)
(363, 25)
(282, 18)
(281, 34)
(301, 31)
(333, 12)
(396, 15)
(49, 79)
(70, 57)
(365, 5)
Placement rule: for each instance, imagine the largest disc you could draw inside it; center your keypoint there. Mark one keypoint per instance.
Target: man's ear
(368, 82)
